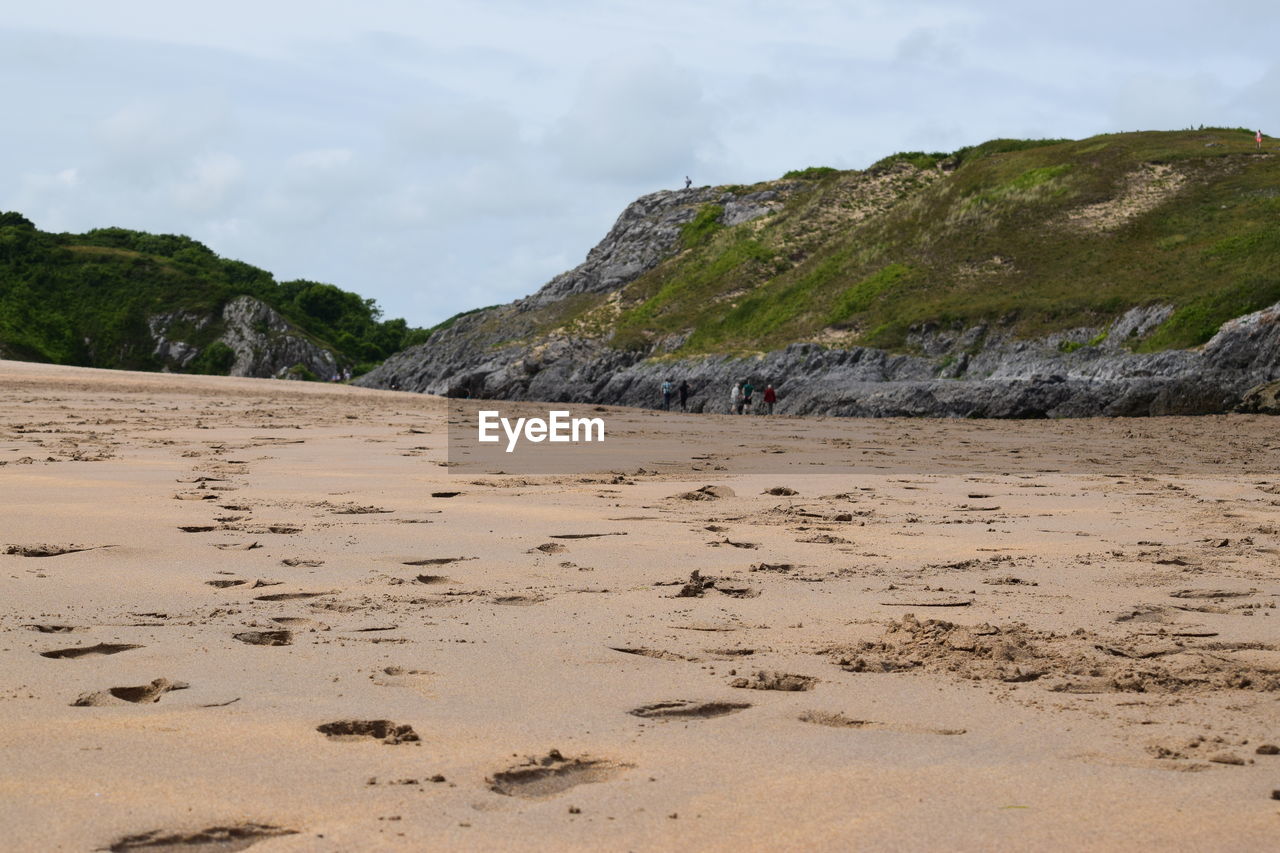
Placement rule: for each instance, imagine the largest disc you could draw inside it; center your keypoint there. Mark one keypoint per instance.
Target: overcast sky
(442, 155)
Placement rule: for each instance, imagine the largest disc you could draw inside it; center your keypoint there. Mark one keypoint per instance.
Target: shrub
(813, 173)
(704, 225)
(919, 159)
(215, 359)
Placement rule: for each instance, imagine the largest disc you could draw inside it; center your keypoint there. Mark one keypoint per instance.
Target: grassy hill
(1029, 236)
(86, 299)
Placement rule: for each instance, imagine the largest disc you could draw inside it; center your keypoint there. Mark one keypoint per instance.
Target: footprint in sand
(290, 596)
(436, 561)
(706, 493)
(50, 550)
(652, 653)
(142, 694)
(197, 528)
(215, 839)
(782, 568)
(685, 709)
(86, 651)
(265, 638)
(824, 539)
(383, 730)
(768, 680)
(699, 584)
(750, 546)
(1212, 593)
(223, 584)
(548, 548)
(354, 509)
(551, 775)
(1145, 613)
(836, 720)
(298, 561)
(432, 579)
(299, 622)
(51, 629)
(519, 600)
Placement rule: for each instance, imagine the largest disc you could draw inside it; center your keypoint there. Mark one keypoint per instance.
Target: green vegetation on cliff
(1028, 236)
(87, 299)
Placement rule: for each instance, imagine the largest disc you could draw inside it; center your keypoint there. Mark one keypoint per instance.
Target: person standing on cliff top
(688, 183)
(1257, 137)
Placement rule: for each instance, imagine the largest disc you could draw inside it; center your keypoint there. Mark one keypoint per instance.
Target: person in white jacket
(736, 399)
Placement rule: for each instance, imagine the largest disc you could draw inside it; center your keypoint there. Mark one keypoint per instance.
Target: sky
(439, 156)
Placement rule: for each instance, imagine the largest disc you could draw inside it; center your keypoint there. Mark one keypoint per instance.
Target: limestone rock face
(266, 344)
(175, 353)
(647, 232)
(997, 378)
(1261, 399)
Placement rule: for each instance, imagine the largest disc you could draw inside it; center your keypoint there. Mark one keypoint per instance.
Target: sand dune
(246, 613)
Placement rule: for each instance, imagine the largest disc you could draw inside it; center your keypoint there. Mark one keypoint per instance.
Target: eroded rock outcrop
(261, 342)
(266, 344)
(511, 352)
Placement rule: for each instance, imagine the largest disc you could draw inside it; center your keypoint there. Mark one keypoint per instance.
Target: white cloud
(210, 181)
(636, 120)
(1143, 101)
(455, 130)
(319, 160)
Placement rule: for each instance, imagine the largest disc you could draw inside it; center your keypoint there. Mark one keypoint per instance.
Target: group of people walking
(741, 397)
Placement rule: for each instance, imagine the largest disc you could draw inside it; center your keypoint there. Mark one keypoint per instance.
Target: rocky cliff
(1002, 378)
(1107, 277)
(255, 340)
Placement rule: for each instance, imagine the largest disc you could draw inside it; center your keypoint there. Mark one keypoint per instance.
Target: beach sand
(244, 613)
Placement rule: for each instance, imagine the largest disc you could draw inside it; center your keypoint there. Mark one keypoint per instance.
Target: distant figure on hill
(684, 395)
(1257, 137)
(770, 397)
(688, 183)
(667, 388)
(735, 399)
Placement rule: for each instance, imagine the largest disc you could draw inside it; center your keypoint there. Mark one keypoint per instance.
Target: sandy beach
(250, 613)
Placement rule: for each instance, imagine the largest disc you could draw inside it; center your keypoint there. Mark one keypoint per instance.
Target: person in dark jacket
(684, 395)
